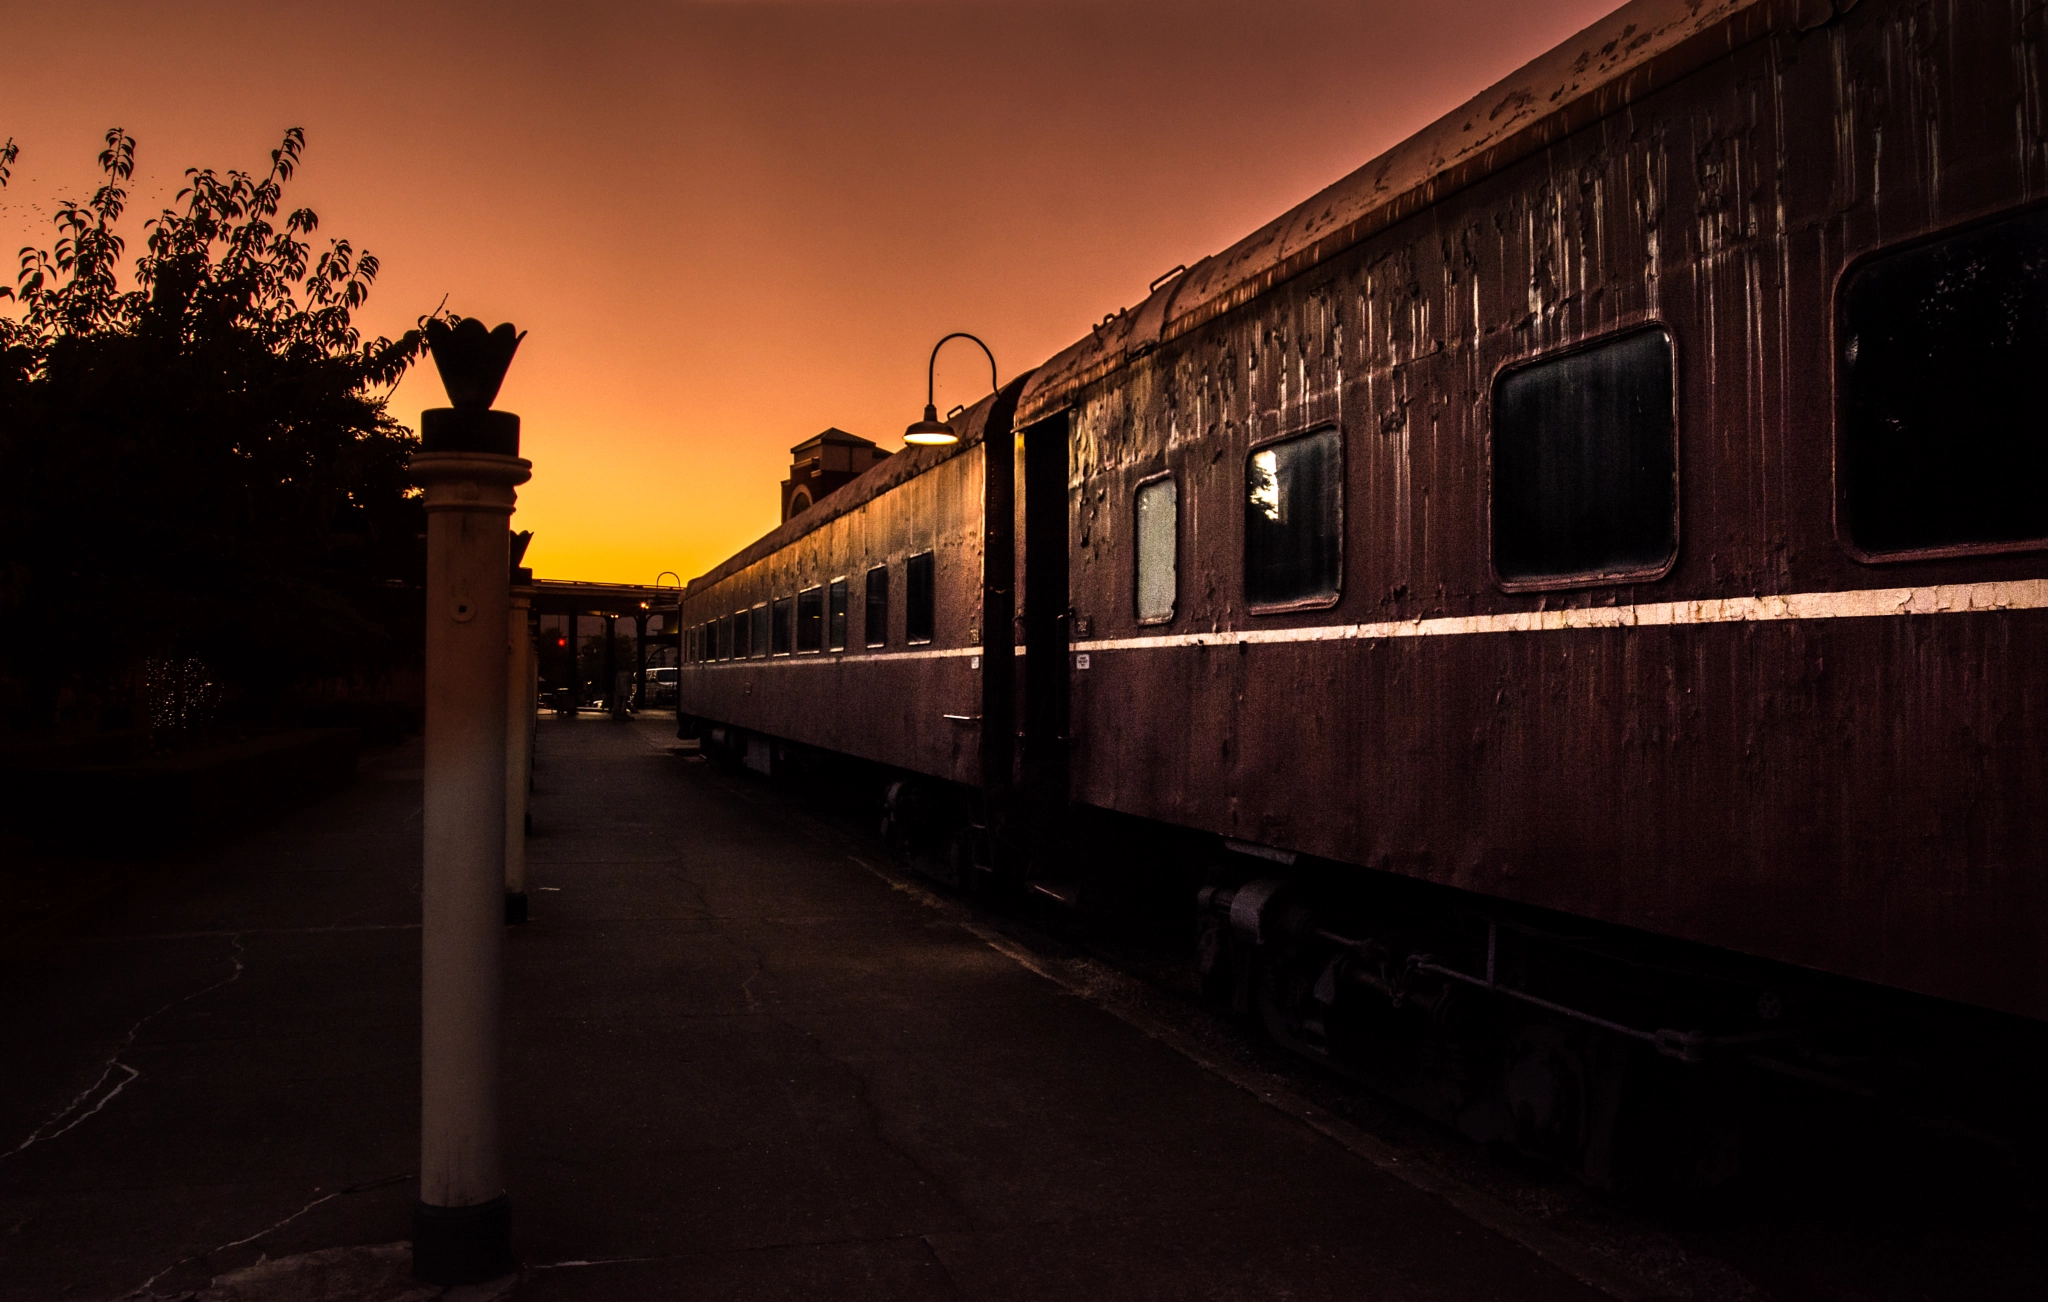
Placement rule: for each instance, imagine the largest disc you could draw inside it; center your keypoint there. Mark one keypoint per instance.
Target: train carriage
(1540, 531)
(1605, 534)
(856, 627)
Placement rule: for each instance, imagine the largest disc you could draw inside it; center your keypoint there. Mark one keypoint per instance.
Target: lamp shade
(931, 431)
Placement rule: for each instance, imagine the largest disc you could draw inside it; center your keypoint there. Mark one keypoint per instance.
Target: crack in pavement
(139, 1290)
(878, 1128)
(70, 1116)
(931, 1250)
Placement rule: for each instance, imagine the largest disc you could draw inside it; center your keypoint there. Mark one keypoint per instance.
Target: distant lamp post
(468, 465)
(931, 431)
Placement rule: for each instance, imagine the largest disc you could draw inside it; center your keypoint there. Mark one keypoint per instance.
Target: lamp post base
(515, 908)
(462, 1245)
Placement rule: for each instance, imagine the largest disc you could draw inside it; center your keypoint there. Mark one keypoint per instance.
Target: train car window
(876, 624)
(1944, 392)
(742, 644)
(810, 621)
(1294, 521)
(725, 638)
(1158, 544)
(835, 616)
(919, 615)
(779, 626)
(1585, 464)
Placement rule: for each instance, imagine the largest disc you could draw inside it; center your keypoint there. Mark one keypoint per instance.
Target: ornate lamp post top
(472, 360)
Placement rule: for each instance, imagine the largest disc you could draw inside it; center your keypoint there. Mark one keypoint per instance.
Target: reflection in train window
(725, 637)
(810, 620)
(1158, 555)
(1585, 464)
(779, 630)
(1943, 357)
(918, 599)
(835, 616)
(876, 628)
(739, 642)
(757, 622)
(1294, 521)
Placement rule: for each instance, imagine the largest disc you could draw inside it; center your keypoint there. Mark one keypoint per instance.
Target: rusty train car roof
(870, 484)
(1613, 63)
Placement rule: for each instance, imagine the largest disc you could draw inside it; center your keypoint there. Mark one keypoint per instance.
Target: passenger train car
(1572, 595)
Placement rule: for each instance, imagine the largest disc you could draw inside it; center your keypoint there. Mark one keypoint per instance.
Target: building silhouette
(821, 463)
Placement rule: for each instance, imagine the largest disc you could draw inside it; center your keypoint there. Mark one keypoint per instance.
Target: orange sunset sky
(729, 225)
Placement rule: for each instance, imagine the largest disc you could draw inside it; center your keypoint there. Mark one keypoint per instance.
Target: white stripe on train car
(835, 658)
(1857, 603)
(1861, 603)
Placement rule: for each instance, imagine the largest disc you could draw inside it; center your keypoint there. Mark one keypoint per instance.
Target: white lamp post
(469, 466)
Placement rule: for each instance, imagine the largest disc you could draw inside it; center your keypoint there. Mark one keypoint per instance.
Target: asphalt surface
(742, 1062)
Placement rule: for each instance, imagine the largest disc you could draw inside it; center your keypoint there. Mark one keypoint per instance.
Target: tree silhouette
(201, 464)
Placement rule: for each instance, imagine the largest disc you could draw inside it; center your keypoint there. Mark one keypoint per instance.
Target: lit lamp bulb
(931, 431)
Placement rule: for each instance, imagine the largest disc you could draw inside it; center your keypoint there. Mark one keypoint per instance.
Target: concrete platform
(742, 1065)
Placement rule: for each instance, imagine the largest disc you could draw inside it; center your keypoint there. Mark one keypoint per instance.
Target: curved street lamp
(931, 431)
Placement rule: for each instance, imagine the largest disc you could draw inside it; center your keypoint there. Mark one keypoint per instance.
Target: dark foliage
(200, 466)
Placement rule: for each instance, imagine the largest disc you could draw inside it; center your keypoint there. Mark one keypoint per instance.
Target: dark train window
(1294, 521)
(1944, 392)
(876, 627)
(757, 631)
(779, 630)
(835, 616)
(725, 637)
(1585, 463)
(810, 620)
(1158, 542)
(740, 644)
(918, 598)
